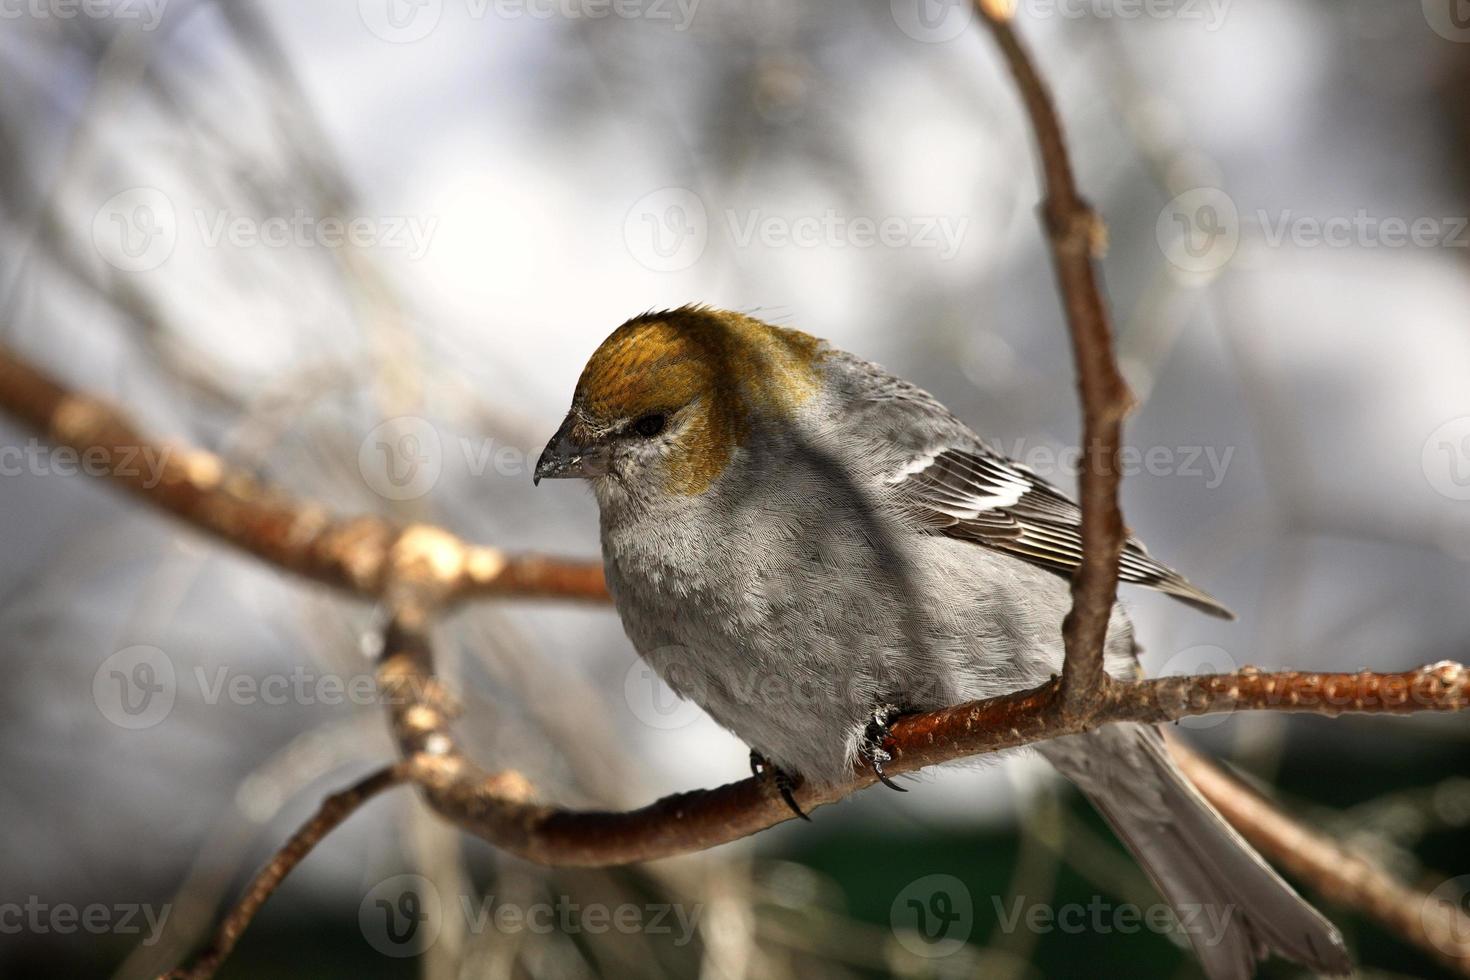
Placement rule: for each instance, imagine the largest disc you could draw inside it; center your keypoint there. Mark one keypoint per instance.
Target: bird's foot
(760, 767)
(872, 748)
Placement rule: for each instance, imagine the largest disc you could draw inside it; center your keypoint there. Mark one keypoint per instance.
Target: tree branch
(334, 811)
(499, 807)
(1076, 233)
(359, 555)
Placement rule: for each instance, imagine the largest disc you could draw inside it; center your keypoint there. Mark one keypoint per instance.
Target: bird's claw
(872, 748)
(760, 766)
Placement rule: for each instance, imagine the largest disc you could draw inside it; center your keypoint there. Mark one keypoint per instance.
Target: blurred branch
(334, 811)
(1437, 926)
(367, 555)
(1076, 234)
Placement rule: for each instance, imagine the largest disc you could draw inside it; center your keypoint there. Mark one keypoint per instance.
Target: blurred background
(363, 248)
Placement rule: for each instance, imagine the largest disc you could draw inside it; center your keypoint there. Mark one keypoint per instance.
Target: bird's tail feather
(1235, 909)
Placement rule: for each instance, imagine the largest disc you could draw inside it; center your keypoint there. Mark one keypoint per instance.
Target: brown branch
(366, 556)
(334, 811)
(499, 807)
(1076, 233)
(1436, 926)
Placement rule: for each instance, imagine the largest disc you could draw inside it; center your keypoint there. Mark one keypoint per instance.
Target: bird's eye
(650, 425)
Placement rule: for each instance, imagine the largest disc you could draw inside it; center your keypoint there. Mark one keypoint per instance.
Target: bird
(807, 547)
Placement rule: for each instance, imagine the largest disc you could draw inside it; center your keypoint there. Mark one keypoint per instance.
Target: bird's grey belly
(792, 643)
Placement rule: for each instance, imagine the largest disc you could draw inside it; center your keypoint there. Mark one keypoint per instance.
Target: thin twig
(1075, 233)
(334, 811)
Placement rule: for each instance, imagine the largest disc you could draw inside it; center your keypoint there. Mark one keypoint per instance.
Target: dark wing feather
(977, 495)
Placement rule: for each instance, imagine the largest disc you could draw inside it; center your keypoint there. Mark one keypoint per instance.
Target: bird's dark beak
(567, 458)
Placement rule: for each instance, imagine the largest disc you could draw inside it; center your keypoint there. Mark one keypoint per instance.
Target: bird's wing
(974, 494)
(955, 485)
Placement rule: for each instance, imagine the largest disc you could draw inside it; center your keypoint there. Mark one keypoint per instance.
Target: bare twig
(334, 811)
(1076, 233)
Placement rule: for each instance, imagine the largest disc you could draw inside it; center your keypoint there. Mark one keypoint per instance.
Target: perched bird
(805, 546)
